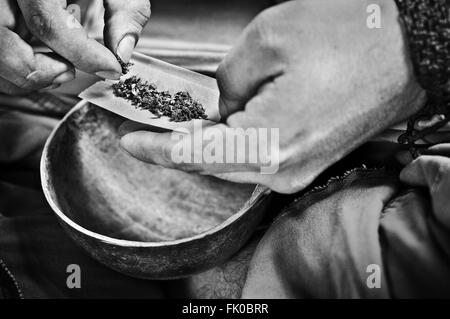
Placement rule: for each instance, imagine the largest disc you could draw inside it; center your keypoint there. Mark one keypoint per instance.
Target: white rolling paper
(166, 77)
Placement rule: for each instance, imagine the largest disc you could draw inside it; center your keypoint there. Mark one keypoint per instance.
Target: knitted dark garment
(427, 26)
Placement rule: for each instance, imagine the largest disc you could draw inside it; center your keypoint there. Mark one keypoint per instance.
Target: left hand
(433, 172)
(314, 70)
(22, 70)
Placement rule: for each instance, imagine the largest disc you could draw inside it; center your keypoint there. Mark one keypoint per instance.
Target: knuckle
(31, 82)
(41, 24)
(32, 79)
(137, 12)
(137, 20)
(441, 175)
(263, 29)
(138, 17)
(143, 12)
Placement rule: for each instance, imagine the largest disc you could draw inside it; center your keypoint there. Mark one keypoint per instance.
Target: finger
(205, 151)
(124, 21)
(8, 13)
(433, 172)
(52, 24)
(439, 149)
(253, 61)
(427, 171)
(9, 88)
(28, 70)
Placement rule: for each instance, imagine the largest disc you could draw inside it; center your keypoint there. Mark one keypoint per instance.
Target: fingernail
(51, 87)
(65, 77)
(126, 47)
(124, 142)
(110, 75)
(34, 75)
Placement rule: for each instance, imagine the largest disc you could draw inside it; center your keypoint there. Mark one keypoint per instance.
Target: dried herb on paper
(180, 107)
(125, 66)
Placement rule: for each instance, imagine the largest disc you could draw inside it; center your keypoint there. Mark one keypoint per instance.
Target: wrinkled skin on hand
(313, 69)
(432, 171)
(22, 70)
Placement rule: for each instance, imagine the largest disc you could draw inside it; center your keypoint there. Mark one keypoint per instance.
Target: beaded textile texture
(427, 26)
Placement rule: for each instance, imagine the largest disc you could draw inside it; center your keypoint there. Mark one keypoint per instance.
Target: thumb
(252, 62)
(209, 150)
(232, 154)
(124, 21)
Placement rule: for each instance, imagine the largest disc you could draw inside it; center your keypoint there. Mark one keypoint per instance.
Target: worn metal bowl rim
(258, 193)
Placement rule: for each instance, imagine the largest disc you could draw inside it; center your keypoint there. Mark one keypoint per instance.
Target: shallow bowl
(142, 220)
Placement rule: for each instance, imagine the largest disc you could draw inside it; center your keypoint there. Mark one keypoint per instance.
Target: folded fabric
(335, 241)
(325, 244)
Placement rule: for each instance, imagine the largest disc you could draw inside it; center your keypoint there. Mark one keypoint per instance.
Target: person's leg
(325, 242)
(364, 236)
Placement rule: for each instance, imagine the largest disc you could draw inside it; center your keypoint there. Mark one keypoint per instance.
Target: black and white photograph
(218, 157)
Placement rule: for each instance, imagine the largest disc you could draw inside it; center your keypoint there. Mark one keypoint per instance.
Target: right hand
(311, 70)
(432, 171)
(23, 71)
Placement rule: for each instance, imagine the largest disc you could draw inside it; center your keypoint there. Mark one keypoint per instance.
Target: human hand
(432, 171)
(22, 70)
(314, 70)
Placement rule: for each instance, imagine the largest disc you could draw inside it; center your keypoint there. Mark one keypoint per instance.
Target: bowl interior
(103, 189)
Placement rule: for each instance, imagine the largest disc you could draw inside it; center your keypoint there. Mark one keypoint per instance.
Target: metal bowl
(142, 220)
